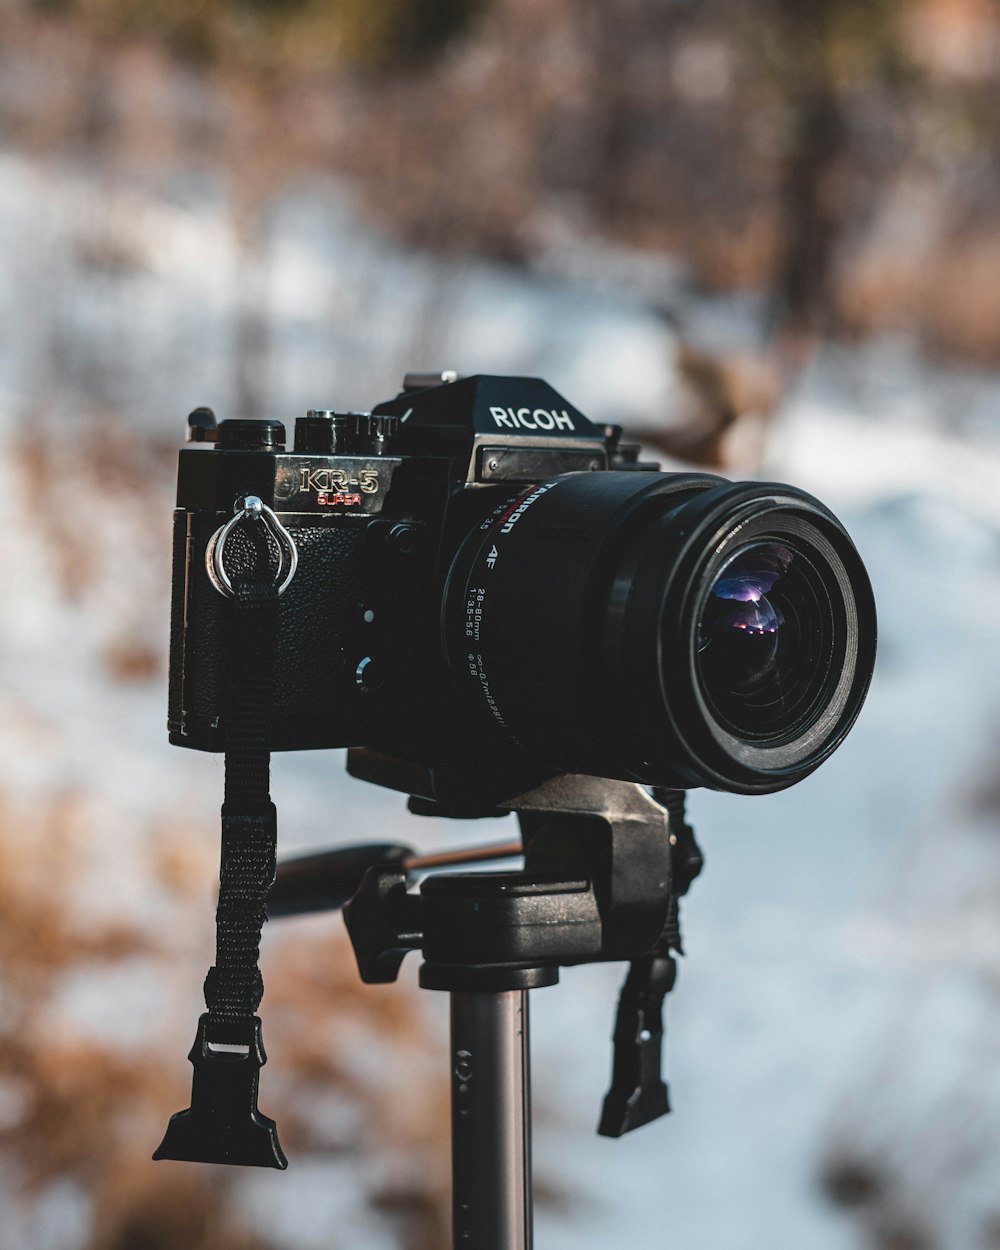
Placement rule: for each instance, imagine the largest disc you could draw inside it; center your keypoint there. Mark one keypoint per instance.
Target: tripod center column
(491, 1120)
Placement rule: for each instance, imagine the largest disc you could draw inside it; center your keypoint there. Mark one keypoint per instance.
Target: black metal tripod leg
(491, 1121)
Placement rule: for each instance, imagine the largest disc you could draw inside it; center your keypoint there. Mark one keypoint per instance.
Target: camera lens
(672, 629)
(764, 641)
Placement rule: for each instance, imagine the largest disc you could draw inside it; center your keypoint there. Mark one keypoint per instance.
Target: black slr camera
(491, 590)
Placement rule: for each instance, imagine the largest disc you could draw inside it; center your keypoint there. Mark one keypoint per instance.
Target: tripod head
(604, 865)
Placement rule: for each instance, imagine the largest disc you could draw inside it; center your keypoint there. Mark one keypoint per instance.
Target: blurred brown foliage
(867, 1188)
(281, 35)
(77, 1108)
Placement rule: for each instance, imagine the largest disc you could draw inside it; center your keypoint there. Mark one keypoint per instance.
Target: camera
(490, 590)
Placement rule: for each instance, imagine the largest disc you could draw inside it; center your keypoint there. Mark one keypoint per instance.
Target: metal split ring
(251, 508)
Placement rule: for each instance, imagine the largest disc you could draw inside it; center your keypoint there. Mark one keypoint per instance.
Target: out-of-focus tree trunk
(251, 315)
(256, 170)
(814, 201)
(812, 213)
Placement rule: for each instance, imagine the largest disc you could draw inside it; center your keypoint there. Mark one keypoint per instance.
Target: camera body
(492, 590)
(376, 504)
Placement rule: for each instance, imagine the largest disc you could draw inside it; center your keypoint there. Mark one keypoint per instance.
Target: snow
(844, 939)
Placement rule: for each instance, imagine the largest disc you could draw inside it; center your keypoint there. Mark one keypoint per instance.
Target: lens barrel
(672, 629)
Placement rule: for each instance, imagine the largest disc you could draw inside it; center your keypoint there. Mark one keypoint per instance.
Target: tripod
(604, 866)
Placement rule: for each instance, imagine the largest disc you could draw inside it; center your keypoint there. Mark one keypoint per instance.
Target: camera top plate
(500, 428)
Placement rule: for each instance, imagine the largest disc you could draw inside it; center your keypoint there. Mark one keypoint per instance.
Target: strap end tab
(223, 1124)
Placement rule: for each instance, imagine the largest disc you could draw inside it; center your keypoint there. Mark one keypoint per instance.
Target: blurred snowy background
(765, 237)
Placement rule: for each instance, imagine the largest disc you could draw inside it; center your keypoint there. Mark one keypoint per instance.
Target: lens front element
(764, 640)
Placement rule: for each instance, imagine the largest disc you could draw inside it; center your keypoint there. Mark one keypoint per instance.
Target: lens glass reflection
(763, 646)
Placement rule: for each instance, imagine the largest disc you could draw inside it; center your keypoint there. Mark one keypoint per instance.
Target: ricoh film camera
(499, 608)
(492, 590)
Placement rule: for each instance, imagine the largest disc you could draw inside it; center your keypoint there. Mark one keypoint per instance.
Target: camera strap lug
(223, 1124)
(251, 508)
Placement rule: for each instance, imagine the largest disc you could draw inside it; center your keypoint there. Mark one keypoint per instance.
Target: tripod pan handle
(326, 880)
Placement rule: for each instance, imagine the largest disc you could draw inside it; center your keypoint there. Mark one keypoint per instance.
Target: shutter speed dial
(322, 432)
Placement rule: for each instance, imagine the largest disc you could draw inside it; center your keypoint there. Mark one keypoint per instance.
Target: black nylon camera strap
(234, 987)
(223, 1124)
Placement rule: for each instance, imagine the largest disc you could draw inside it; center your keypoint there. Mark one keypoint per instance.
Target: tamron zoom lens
(673, 629)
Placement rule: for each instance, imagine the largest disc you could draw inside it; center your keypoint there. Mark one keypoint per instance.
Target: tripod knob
(384, 923)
